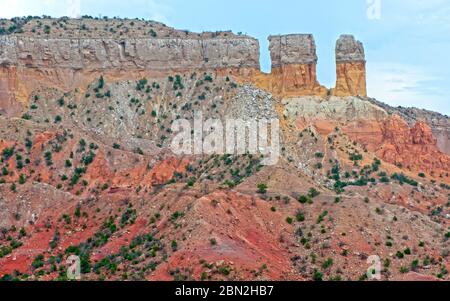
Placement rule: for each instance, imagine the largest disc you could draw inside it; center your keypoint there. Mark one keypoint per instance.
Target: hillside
(86, 110)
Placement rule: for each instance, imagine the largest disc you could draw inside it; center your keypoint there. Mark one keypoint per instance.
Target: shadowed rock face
(350, 67)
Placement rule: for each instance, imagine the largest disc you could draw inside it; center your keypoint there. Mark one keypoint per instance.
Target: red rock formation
(9, 88)
(350, 79)
(350, 68)
(296, 79)
(244, 237)
(294, 61)
(164, 171)
(395, 142)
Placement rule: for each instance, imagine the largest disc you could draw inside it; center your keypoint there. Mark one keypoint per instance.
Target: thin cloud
(11, 9)
(20, 8)
(405, 85)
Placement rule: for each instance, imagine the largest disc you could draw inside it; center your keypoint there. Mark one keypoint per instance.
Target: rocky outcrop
(292, 49)
(160, 54)
(338, 109)
(68, 54)
(350, 67)
(395, 142)
(440, 124)
(389, 137)
(294, 61)
(9, 91)
(64, 60)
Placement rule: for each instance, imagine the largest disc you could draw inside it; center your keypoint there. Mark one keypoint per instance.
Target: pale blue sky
(407, 45)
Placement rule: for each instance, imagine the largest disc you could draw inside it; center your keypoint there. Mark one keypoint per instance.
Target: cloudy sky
(407, 41)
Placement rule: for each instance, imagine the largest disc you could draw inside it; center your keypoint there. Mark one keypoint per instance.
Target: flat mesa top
(348, 49)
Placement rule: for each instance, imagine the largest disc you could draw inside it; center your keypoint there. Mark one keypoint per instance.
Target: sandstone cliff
(68, 54)
(294, 62)
(159, 54)
(69, 57)
(68, 63)
(350, 67)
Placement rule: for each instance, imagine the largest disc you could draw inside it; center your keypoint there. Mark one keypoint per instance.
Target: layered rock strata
(28, 63)
(350, 68)
(294, 62)
(159, 54)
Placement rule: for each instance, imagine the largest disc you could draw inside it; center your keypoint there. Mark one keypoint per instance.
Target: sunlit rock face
(294, 62)
(350, 67)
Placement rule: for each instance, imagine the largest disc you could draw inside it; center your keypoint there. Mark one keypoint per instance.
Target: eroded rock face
(350, 67)
(440, 124)
(349, 50)
(71, 55)
(104, 151)
(395, 142)
(9, 88)
(292, 49)
(163, 54)
(294, 61)
(30, 62)
(389, 137)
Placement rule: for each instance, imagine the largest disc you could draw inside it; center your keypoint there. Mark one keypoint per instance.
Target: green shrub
(141, 84)
(313, 193)
(401, 178)
(38, 261)
(300, 216)
(304, 199)
(262, 188)
(22, 179)
(319, 155)
(26, 116)
(317, 275)
(174, 245)
(327, 264)
(68, 163)
(178, 83)
(101, 83)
